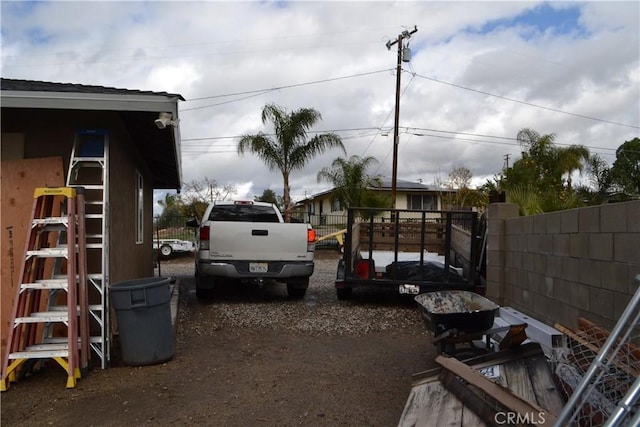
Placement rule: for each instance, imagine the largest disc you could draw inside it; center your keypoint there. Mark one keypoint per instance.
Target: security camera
(161, 123)
(163, 120)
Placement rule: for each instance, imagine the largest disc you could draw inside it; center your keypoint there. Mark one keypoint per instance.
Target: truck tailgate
(259, 241)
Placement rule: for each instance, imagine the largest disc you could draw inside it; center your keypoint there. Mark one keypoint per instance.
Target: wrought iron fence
(172, 227)
(324, 224)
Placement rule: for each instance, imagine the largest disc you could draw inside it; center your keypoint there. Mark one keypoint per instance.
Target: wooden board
(431, 405)
(382, 236)
(502, 395)
(523, 371)
(18, 180)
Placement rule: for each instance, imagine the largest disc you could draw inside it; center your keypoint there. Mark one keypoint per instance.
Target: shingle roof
(39, 86)
(407, 185)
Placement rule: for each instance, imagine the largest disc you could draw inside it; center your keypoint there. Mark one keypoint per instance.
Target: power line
(555, 110)
(502, 140)
(258, 92)
(273, 134)
(263, 91)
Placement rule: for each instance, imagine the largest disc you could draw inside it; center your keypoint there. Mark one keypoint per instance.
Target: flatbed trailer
(168, 247)
(409, 251)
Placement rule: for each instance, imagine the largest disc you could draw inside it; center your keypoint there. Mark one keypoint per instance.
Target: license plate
(409, 289)
(258, 267)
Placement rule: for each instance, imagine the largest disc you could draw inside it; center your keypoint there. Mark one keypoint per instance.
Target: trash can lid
(146, 282)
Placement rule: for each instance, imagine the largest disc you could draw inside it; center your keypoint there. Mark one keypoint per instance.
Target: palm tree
(352, 185)
(541, 180)
(290, 149)
(349, 178)
(544, 165)
(570, 159)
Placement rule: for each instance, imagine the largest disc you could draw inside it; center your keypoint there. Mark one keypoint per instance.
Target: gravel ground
(251, 356)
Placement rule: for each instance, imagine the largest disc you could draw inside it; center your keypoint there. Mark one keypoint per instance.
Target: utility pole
(506, 160)
(399, 41)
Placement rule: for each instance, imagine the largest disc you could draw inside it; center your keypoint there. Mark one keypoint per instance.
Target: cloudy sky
(478, 73)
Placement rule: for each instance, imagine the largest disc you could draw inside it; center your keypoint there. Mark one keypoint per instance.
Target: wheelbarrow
(458, 317)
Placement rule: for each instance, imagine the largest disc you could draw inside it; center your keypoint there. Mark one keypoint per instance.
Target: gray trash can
(143, 311)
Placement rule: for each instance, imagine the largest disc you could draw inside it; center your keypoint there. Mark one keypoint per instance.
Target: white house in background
(409, 195)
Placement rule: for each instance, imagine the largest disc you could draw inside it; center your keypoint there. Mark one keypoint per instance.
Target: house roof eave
(160, 147)
(90, 101)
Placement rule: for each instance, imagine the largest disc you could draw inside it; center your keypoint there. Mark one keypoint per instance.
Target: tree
(352, 185)
(270, 196)
(599, 188)
(172, 207)
(459, 180)
(460, 177)
(625, 172)
(195, 197)
(544, 170)
(290, 150)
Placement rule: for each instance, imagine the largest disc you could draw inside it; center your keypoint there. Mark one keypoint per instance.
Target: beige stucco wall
(563, 265)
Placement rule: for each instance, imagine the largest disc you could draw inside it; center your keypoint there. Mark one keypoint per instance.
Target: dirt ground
(250, 357)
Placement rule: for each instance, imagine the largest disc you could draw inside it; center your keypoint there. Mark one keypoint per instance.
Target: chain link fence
(600, 372)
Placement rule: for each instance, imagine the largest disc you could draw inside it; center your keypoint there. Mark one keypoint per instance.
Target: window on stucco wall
(418, 202)
(139, 208)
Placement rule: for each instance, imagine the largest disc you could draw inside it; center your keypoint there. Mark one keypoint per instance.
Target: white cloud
(206, 50)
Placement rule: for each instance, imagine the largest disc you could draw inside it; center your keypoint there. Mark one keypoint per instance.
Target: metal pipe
(632, 309)
(625, 405)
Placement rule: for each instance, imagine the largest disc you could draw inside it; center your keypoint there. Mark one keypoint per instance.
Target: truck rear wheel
(298, 288)
(204, 287)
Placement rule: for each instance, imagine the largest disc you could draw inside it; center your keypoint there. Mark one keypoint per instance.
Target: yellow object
(55, 191)
(339, 235)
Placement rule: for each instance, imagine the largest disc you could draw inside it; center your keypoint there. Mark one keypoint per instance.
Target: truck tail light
(311, 235)
(311, 240)
(204, 237)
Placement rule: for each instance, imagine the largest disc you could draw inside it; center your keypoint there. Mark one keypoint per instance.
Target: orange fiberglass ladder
(50, 311)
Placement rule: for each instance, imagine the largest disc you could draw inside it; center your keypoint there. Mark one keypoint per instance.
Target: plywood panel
(18, 179)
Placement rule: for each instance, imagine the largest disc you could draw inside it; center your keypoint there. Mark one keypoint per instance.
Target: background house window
(139, 208)
(418, 202)
(335, 206)
(311, 208)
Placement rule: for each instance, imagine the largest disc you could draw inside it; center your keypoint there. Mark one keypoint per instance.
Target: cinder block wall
(559, 266)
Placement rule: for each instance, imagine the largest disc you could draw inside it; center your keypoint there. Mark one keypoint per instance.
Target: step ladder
(50, 311)
(89, 168)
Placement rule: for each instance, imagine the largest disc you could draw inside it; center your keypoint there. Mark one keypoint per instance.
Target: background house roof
(138, 110)
(408, 186)
(404, 186)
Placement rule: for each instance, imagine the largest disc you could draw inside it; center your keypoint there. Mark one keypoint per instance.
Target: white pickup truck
(249, 241)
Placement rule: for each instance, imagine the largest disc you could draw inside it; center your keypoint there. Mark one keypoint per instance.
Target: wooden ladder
(50, 310)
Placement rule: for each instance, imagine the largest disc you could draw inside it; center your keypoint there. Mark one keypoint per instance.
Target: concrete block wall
(563, 265)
